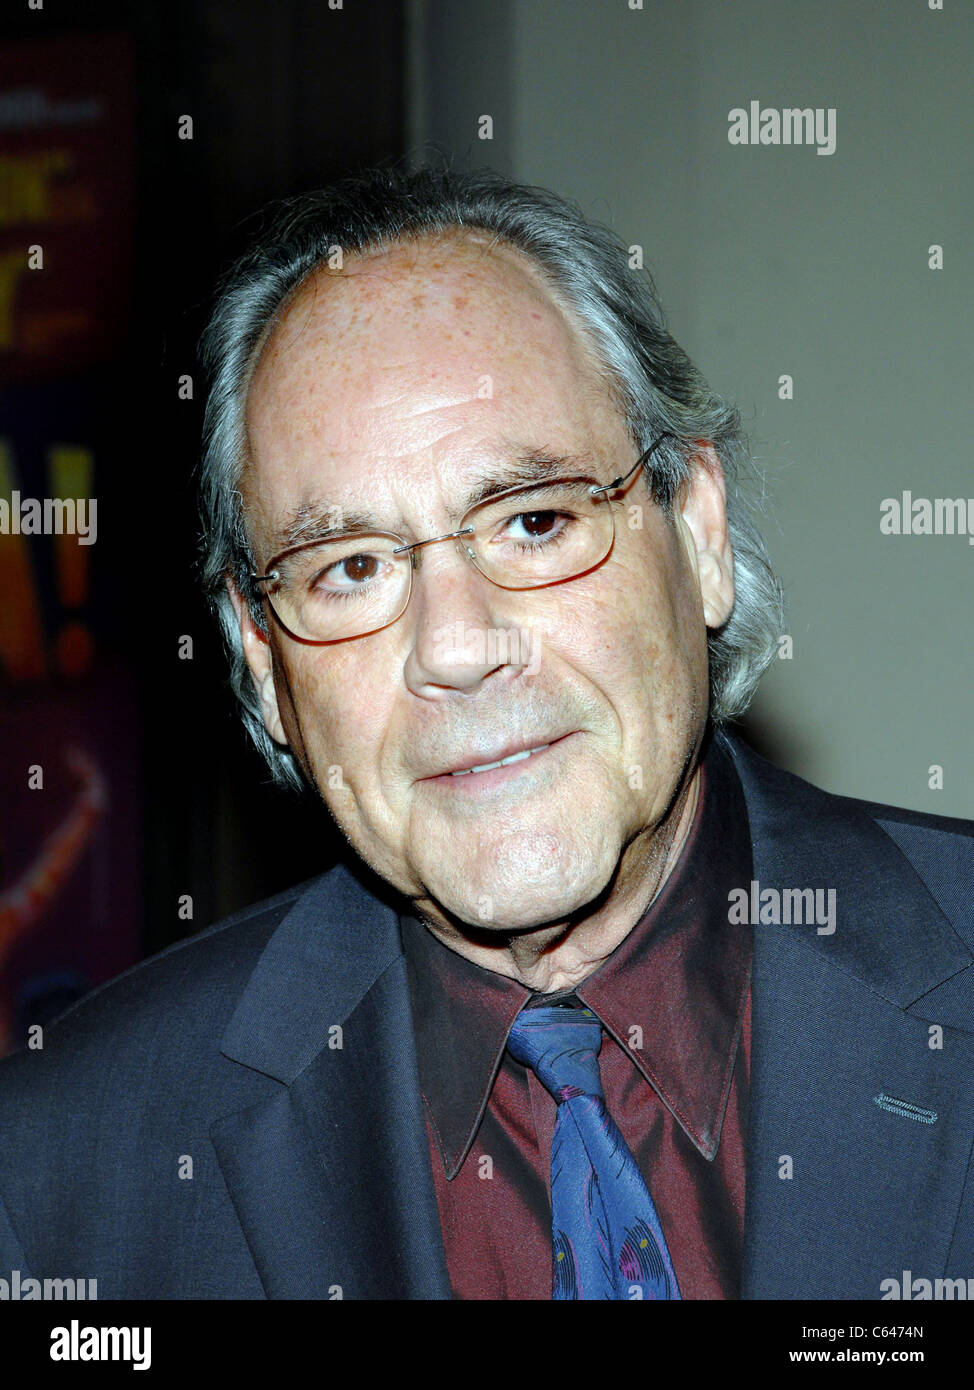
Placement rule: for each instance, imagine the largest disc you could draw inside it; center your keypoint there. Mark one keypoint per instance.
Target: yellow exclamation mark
(70, 471)
(22, 654)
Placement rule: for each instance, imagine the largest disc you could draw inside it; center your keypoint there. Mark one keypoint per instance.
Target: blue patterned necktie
(607, 1241)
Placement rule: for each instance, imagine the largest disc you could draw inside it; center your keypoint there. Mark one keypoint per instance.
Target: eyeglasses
(526, 538)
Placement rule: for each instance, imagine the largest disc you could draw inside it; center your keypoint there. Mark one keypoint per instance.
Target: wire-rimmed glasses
(527, 537)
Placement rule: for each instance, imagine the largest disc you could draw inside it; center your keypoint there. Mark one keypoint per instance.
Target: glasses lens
(540, 534)
(340, 588)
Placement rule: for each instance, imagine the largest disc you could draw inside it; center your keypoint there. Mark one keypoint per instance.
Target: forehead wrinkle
(321, 520)
(366, 293)
(365, 310)
(369, 280)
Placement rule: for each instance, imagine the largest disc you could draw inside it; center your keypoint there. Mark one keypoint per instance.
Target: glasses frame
(414, 551)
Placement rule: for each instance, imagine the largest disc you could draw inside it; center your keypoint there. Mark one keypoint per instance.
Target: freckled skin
(367, 393)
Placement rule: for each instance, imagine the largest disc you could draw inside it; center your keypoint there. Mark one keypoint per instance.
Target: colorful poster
(69, 795)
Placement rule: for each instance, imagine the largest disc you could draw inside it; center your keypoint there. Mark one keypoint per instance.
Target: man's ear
(700, 505)
(257, 650)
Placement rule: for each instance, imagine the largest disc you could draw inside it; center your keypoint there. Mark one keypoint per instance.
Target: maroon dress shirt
(674, 1002)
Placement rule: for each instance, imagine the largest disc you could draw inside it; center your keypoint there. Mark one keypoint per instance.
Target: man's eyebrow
(321, 521)
(536, 466)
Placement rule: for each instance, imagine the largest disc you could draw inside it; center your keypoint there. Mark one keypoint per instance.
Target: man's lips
(475, 765)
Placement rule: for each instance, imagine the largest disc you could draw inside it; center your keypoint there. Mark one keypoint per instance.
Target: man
(609, 1007)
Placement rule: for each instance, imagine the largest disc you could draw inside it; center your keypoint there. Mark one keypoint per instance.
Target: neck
(560, 956)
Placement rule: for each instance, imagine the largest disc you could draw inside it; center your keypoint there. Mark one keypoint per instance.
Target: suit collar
(330, 1174)
(324, 957)
(843, 1192)
(889, 932)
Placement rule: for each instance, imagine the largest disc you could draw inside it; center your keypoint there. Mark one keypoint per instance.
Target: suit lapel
(844, 1192)
(330, 1175)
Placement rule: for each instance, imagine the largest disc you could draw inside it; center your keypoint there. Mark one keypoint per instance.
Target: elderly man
(602, 1006)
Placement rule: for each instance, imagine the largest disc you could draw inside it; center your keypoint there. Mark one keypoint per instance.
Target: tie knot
(561, 1046)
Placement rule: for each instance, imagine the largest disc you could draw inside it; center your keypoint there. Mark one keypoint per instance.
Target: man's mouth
(494, 766)
(501, 762)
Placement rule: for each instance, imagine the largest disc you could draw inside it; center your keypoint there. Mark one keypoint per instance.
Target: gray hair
(650, 378)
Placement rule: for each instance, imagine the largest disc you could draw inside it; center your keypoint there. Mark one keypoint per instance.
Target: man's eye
(528, 527)
(350, 573)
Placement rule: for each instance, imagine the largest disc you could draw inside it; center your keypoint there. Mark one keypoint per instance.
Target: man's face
(396, 386)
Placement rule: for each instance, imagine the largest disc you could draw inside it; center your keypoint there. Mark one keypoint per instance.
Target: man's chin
(539, 899)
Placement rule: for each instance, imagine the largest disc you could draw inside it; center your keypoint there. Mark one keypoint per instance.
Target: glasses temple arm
(624, 477)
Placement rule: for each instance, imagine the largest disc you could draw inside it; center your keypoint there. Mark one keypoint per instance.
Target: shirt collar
(672, 993)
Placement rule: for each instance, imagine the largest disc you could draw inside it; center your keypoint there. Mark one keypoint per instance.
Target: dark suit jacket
(310, 1164)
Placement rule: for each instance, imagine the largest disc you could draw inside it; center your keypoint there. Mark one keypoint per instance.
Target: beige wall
(773, 260)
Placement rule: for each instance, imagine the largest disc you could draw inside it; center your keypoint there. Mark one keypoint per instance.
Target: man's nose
(457, 640)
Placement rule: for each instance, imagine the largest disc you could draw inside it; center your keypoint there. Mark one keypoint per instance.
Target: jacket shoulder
(938, 849)
(180, 998)
(778, 781)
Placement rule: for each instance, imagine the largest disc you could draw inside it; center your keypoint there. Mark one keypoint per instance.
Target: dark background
(283, 97)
